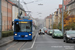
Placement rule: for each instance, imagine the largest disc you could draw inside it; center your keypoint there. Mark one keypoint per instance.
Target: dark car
(69, 36)
(41, 32)
(51, 32)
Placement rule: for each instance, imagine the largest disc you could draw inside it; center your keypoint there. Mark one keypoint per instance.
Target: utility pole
(0, 21)
(62, 17)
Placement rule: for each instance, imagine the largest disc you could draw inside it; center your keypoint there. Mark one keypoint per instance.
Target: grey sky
(48, 7)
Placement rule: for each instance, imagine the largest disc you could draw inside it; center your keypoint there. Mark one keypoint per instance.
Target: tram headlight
(29, 34)
(15, 34)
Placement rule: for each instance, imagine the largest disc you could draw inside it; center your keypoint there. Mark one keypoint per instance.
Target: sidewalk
(6, 40)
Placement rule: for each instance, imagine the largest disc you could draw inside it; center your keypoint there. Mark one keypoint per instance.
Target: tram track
(22, 45)
(17, 45)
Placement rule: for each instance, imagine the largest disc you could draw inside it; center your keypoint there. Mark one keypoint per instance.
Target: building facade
(48, 21)
(6, 16)
(71, 7)
(9, 13)
(59, 13)
(56, 18)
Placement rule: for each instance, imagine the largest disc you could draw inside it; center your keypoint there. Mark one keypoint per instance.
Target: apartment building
(71, 7)
(56, 17)
(6, 15)
(59, 13)
(48, 21)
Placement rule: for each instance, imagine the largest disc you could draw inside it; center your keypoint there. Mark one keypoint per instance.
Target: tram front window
(23, 27)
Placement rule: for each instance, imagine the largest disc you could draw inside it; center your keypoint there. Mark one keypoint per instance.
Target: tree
(54, 26)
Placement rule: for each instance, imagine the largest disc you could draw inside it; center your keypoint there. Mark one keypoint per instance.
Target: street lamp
(62, 17)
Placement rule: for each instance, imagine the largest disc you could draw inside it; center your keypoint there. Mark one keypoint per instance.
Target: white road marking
(32, 44)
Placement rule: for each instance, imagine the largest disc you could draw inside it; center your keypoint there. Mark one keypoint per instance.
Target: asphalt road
(40, 42)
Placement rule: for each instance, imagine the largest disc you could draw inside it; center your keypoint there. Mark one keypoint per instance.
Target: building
(65, 3)
(6, 15)
(71, 7)
(56, 17)
(60, 9)
(59, 13)
(9, 13)
(15, 9)
(15, 12)
(34, 21)
(48, 21)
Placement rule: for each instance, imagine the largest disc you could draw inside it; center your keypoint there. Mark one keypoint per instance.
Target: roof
(10, 2)
(71, 2)
(56, 12)
(66, 2)
(49, 16)
(14, 4)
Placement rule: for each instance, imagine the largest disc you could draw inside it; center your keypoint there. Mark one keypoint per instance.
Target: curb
(5, 43)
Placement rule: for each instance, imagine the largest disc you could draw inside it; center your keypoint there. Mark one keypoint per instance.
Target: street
(40, 42)
(29, 24)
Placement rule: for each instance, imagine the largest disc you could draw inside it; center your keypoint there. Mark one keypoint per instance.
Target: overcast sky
(48, 7)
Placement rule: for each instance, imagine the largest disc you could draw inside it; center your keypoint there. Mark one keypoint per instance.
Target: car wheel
(63, 40)
(39, 33)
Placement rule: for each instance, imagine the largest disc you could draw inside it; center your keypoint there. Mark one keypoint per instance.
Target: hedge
(7, 33)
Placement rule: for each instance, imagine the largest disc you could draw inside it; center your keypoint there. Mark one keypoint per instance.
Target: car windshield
(51, 30)
(42, 30)
(71, 32)
(58, 32)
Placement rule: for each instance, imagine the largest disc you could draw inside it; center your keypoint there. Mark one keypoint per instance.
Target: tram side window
(17, 28)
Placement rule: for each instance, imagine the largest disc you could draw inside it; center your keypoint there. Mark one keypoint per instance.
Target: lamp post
(0, 21)
(62, 17)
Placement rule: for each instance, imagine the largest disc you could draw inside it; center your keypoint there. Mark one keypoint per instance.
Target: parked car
(41, 31)
(56, 29)
(51, 32)
(69, 36)
(48, 31)
(57, 33)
